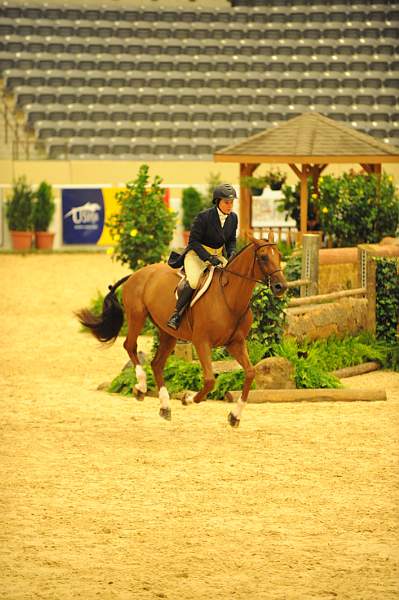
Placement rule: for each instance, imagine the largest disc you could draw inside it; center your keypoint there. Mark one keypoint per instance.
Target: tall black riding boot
(181, 305)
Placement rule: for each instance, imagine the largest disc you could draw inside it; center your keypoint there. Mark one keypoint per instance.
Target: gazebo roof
(310, 138)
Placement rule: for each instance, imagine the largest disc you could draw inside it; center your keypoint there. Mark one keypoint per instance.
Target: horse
(221, 317)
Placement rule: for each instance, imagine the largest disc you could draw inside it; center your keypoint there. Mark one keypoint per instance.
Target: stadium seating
(180, 82)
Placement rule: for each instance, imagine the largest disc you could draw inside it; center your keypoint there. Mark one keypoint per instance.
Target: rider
(212, 231)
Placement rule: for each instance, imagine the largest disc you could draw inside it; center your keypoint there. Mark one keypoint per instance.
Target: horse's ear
(271, 236)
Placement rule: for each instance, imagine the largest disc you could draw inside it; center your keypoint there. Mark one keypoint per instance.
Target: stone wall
(347, 316)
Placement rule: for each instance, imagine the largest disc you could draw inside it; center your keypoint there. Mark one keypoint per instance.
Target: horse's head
(267, 264)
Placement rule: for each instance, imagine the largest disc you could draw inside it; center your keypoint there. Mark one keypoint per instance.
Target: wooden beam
(246, 170)
(314, 395)
(295, 169)
(307, 159)
(306, 170)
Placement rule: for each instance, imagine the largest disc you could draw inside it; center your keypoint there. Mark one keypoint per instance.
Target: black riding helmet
(224, 191)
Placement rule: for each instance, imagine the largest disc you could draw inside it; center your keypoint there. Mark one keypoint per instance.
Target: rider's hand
(215, 261)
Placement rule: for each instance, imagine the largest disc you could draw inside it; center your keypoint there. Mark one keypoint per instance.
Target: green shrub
(365, 209)
(43, 207)
(143, 229)
(19, 206)
(192, 204)
(179, 375)
(269, 317)
(352, 209)
(387, 298)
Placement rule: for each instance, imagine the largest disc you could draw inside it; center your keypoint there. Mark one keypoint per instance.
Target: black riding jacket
(206, 230)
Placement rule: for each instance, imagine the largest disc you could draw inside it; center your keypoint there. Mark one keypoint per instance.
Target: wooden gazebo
(308, 143)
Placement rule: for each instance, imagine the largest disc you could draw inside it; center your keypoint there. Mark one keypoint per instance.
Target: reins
(259, 281)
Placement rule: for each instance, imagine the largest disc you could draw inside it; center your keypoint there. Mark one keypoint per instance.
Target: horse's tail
(107, 326)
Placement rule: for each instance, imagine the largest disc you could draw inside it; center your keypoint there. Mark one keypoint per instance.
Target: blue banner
(82, 215)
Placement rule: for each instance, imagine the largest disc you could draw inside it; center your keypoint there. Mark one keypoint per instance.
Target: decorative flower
(133, 232)
(110, 251)
(324, 209)
(117, 237)
(314, 196)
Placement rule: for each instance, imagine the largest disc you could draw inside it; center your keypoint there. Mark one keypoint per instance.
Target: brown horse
(221, 317)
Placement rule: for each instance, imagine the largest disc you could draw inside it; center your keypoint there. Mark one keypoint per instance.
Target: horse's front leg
(204, 354)
(238, 349)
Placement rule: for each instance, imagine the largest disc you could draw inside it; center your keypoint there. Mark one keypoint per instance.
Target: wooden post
(184, 350)
(370, 293)
(246, 170)
(367, 279)
(310, 263)
(304, 199)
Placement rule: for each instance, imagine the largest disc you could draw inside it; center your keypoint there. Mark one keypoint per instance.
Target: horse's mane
(232, 258)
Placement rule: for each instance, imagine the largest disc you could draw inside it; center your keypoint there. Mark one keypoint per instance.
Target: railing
(284, 233)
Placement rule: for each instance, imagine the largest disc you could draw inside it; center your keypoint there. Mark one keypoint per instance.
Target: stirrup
(174, 321)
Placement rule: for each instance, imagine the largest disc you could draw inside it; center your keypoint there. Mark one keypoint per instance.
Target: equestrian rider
(212, 232)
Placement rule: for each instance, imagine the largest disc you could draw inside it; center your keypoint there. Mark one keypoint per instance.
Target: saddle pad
(204, 284)
(203, 287)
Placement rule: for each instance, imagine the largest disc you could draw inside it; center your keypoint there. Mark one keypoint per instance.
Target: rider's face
(226, 206)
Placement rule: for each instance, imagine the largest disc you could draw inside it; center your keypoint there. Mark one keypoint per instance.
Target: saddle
(203, 284)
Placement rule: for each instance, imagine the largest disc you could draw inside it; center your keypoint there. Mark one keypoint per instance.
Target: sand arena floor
(103, 499)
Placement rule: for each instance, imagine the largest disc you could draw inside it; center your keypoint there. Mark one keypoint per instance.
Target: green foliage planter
(19, 214)
(143, 229)
(387, 299)
(313, 364)
(43, 212)
(192, 204)
(352, 209)
(268, 318)
(357, 208)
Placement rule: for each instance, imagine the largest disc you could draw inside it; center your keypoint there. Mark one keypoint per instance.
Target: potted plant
(255, 184)
(43, 212)
(19, 214)
(275, 178)
(192, 204)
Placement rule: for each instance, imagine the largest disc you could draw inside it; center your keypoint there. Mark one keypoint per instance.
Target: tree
(143, 228)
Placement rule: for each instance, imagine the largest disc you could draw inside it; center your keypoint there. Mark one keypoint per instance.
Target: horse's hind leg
(238, 349)
(135, 325)
(166, 346)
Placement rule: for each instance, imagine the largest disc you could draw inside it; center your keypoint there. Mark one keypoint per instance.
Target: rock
(275, 372)
(390, 241)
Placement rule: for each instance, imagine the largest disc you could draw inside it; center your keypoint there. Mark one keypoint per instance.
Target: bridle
(266, 281)
(261, 260)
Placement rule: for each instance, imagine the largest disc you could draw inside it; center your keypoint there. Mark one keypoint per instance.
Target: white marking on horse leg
(164, 397)
(141, 379)
(189, 398)
(239, 407)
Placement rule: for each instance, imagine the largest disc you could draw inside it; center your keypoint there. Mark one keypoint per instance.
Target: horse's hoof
(187, 398)
(165, 413)
(232, 419)
(138, 394)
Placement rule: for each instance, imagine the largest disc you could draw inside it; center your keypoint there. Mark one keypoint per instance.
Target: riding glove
(215, 261)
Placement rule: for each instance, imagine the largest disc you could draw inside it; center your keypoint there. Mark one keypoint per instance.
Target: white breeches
(194, 267)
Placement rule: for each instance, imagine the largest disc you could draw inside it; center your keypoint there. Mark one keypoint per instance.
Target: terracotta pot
(44, 240)
(21, 240)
